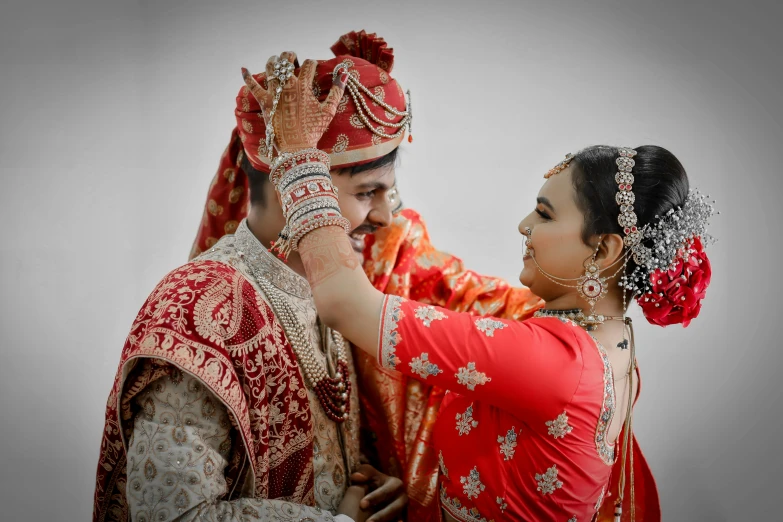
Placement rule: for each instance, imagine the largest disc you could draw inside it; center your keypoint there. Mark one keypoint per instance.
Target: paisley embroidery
(559, 427)
(465, 421)
(423, 368)
(508, 444)
(547, 482)
(214, 209)
(470, 377)
(235, 195)
(341, 145)
(427, 314)
(488, 326)
(471, 485)
(343, 103)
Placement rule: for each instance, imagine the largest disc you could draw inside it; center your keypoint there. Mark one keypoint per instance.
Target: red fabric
(515, 377)
(400, 412)
(191, 320)
(227, 200)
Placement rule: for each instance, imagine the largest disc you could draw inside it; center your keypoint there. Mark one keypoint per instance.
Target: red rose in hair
(677, 293)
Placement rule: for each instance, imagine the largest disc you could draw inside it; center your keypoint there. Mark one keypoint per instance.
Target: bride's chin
(525, 277)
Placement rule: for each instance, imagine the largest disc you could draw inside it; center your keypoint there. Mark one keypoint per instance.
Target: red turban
(347, 140)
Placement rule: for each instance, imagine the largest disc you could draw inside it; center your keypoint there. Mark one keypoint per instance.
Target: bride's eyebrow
(546, 203)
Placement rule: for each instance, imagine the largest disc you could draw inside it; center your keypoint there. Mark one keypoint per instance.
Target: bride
(539, 410)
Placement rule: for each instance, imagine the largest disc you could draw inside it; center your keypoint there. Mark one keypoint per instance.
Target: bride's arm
(519, 366)
(343, 295)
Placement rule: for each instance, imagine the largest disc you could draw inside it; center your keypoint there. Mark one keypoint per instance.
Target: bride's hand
(299, 119)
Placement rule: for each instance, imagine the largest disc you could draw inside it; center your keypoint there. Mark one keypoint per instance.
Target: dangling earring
(592, 288)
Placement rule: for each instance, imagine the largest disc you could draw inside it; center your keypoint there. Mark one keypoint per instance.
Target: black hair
(258, 180)
(383, 161)
(660, 184)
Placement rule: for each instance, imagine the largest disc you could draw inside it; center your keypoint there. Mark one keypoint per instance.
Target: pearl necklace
(333, 392)
(589, 322)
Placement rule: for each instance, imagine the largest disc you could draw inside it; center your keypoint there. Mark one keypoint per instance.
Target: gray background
(114, 115)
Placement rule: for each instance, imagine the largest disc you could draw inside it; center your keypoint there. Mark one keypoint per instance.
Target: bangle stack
(309, 198)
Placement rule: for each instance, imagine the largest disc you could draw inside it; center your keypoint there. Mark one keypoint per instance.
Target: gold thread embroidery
(423, 368)
(559, 427)
(465, 421)
(455, 508)
(470, 377)
(605, 450)
(442, 465)
(508, 443)
(390, 336)
(472, 485)
(427, 314)
(547, 482)
(488, 326)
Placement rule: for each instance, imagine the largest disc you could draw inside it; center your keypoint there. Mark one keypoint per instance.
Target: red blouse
(523, 435)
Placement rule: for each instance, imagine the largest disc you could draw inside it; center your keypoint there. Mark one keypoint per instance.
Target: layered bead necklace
(333, 392)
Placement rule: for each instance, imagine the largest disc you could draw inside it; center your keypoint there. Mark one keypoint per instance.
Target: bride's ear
(609, 250)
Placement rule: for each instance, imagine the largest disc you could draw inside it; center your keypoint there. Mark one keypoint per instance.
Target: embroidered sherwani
(210, 416)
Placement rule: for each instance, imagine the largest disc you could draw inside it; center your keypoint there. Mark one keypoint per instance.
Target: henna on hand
(300, 119)
(324, 251)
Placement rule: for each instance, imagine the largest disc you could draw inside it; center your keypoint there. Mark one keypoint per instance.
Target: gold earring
(592, 288)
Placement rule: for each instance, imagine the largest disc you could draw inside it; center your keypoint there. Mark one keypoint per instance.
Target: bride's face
(555, 238)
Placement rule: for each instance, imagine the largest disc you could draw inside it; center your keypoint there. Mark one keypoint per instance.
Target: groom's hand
(387, 498)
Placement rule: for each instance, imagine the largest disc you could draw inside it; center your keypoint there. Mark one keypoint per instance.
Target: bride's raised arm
(475, 356)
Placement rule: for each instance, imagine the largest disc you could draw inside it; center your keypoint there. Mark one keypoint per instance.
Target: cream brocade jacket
(179, 473)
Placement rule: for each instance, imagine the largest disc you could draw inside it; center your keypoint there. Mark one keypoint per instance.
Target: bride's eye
(543, 214)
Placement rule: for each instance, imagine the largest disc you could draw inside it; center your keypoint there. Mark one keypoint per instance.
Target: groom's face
(364, 201)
